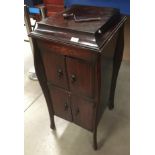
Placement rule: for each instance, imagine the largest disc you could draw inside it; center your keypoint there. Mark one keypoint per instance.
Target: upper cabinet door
(55, 68)
(81, 78)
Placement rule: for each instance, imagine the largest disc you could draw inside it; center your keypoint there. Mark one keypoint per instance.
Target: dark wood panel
(61, 104)
(64, 49)
(83, 112)
(81, 77)
(55, 68)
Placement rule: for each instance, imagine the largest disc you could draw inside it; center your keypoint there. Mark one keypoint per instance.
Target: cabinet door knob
(66, 106)
(73, 78)
(60, 73)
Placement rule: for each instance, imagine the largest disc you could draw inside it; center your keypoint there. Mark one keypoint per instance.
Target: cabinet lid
(87, 26)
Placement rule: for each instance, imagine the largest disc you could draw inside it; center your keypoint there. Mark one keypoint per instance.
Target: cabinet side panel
(106, 73)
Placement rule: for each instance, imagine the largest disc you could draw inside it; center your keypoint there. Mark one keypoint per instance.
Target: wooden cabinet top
(85, 26)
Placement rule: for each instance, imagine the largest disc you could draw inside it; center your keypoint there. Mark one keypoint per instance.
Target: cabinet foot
(95, 146)
(111, 105)
(52, 125)
(95, 139)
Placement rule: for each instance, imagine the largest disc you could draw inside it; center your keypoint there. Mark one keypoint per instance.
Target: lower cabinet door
(83, 112)
(61, 104)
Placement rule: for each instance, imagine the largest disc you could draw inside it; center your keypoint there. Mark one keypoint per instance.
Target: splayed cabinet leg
(95, 139)
(52, 125)
(116, 65)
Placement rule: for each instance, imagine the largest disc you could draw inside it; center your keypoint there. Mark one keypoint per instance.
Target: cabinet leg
(95, 139)
(113, 87)
(111, 105)
(116, 65)
(40, 72)
(52, 126)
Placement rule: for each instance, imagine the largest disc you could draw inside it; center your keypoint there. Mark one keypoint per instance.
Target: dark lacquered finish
(61, 103)
(55, 68)
(77, 71)
(83, 112)
(77, 64)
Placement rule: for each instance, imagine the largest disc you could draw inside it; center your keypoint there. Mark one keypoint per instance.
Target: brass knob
(99, 31)
(73, 78)
(60, 73)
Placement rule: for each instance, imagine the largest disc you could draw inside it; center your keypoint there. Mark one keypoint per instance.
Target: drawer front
(81, 77)
(55, 68)
(61, 105)
(67, 50)
(83, 112)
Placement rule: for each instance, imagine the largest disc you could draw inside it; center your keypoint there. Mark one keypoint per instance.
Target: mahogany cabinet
(77, 63)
